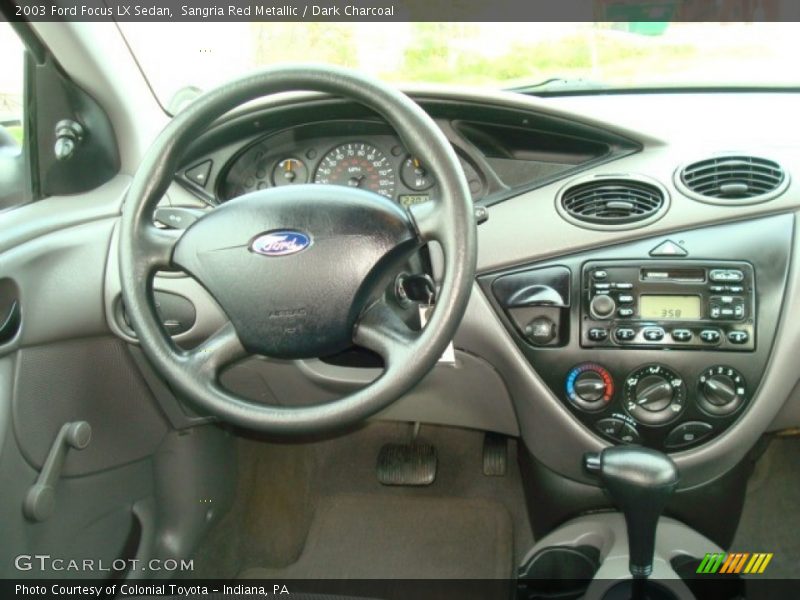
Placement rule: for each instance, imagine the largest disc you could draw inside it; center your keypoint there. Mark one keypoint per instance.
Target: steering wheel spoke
(222, 348)
(381, 330)
(428, 220)
(157, 246)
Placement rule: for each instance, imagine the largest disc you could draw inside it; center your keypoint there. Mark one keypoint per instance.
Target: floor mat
(364, 536)
(771, 519)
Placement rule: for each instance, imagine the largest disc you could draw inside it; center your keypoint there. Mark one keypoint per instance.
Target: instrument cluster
(377, 162)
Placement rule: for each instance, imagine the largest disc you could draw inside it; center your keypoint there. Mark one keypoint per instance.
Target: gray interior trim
(607, 532)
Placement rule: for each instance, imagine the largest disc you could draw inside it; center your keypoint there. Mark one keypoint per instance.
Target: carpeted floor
(384, 537)
(316, 510)
(771, 517)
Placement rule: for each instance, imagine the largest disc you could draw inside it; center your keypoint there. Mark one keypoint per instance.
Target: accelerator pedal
(495, 455)
(407, 464)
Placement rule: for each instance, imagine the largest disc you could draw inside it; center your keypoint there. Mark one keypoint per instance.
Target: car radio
(668, 305)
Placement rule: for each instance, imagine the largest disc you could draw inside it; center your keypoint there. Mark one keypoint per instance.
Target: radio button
(726, 275)
(625, 299)
(622, 286)
(602, 286)
(734, 289)
(710, 336)
(738, 311)
(625, 312)
(599, 274)
(597, 334)
(653, 334)
(726, 313)
(624, 334)
(681, 335)
(738, 337)
(718, 288)
(715, 312)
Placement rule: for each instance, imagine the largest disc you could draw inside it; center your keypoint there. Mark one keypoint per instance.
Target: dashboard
(573, 186)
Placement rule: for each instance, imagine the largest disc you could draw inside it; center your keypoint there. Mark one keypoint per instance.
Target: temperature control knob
(589, 386)
(721, 390)
(654, 394)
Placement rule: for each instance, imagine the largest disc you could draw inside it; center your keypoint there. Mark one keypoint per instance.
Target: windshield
(181, 56)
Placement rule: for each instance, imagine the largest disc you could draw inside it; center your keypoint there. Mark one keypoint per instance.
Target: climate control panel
(654, 403)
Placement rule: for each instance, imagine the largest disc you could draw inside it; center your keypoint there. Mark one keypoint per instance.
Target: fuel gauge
(289, 171)
(415, 176)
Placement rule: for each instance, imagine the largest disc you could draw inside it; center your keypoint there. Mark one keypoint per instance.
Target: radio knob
(602, 306)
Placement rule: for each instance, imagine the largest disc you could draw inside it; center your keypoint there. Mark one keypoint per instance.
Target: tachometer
(360, 165)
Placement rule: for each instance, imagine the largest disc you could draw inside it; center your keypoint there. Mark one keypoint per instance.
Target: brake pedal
(495, 455)
(412, 464)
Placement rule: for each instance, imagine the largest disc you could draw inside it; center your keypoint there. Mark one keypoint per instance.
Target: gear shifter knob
(639, 481)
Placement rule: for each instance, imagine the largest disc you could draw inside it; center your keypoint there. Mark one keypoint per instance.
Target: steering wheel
(300, 271)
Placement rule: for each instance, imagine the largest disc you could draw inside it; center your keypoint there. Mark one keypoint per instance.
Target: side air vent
(732, 179)
(612, 202)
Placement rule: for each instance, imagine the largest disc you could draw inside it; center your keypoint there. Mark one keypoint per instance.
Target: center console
(661, 341)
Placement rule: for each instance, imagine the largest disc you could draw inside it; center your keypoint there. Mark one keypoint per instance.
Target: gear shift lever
(639, 481)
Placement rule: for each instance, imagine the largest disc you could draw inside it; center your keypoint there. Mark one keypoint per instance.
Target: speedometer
(359, 165)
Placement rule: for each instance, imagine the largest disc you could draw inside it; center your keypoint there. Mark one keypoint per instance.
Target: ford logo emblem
(280, 243)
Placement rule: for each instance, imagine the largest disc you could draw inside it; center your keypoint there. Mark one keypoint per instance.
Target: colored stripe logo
(734, 563)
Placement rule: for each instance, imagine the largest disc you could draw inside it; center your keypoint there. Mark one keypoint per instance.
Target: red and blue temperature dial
(589, 386)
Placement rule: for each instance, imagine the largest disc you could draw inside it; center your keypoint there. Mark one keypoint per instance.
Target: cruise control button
(653, 334)
(710, 336)
(598, 334)
(681, 335)
(625, 312)
(738, 337)
(687, 434)
(624, 334)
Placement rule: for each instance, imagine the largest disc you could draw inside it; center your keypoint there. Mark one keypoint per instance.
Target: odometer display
(358, 165)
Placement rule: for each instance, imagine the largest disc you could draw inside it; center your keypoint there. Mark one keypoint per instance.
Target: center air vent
(732, 179)
(613, 202)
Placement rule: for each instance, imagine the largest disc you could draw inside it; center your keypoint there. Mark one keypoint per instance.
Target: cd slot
(682, 275)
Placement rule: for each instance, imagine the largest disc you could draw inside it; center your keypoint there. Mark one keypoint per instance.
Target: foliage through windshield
(497, 55)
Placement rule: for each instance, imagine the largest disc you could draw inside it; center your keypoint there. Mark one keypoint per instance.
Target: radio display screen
(670, 308)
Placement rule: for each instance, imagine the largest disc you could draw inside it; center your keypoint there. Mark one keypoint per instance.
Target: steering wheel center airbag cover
(294, 267)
